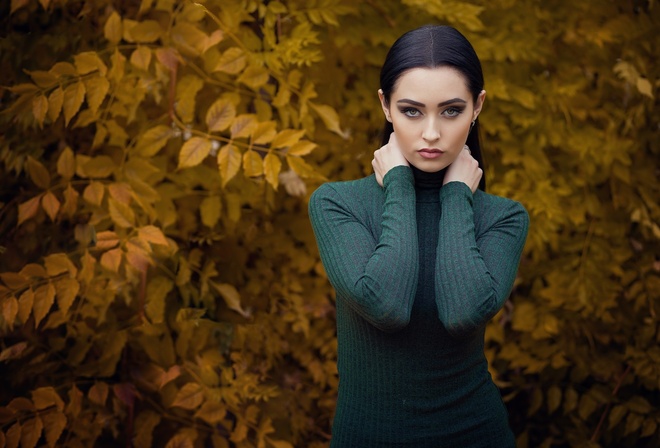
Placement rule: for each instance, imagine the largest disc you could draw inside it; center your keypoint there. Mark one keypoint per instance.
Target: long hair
(432, 46)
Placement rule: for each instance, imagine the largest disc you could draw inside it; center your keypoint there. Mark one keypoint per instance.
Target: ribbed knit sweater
(418, 269)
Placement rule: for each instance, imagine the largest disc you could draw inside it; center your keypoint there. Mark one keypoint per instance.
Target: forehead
(431, 83)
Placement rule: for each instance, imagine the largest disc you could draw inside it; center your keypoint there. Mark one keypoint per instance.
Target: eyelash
(408, 110)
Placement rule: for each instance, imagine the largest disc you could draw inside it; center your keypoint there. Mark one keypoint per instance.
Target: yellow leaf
(113, 28)
(25, 303)
(39, 109)
(229, 162)
(55, 101)
(186, 94)
(63, 69)
(54, 424)
(272, 168)
(13, 352)
(153, 235)
(94, 193)
(644, 86)
(121, 214)
(157, 290)
(252, 164)
(38, 173)
(106, 240)
(97, 88)
(210, 210)
(50, 205)
(255, 77)
(31, 432)
(153, 140)
(212, 40)
(554, 398)
(193, 152)
(190, 396)
(14, 280)
(211, 412)
(45, 397)
(121, 191)
(57, 264)
(99, 167)
(9, 310)
(66, 164)
(264, 132)
(44, 297)
(118, 68)
(111, 260)
(145, 423)
(43, 79)
(232, 61)
(28, 209)
(180, 441)
(329, 117)
(145, 32)
(74, 95)
(279, 443)
(301, 148)
(188, 38)
(220, 115)
(168, 57)
(287, 137)
(243, 125)
(141, 57)
(301, 167)
(66, 291)
(98, 393)
(88, 62)
(231, 296)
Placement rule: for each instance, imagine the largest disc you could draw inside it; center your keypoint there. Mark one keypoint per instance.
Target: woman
(420, 258)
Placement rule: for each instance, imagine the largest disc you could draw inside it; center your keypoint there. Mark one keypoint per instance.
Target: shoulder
(492, 210)
(348, 194)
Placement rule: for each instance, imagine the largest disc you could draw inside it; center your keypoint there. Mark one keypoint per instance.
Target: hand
(464, 169)
(386, 158)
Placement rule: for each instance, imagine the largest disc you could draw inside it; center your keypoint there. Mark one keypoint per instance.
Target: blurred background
(159, 279)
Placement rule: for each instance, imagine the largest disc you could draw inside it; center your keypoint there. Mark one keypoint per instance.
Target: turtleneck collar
(428, 181)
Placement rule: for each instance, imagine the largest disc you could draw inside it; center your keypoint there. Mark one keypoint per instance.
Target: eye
(453, 112)
(410, 112)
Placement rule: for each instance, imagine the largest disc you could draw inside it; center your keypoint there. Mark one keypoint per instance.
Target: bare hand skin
(386, 158)
(464, 169)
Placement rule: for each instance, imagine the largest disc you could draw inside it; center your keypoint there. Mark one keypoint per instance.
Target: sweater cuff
(400, 173)
(456, 189)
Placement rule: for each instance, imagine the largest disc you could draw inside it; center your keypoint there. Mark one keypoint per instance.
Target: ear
(478, 105)
(384, 105)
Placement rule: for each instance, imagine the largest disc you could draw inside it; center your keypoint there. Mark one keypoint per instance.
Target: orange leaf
(28, 209)
(141, 57)
(39, 109)
(67, 289)
(153, 234)
(50, 205)
(94, 193)
(44, 297)
(190, 396)
(45, 397)
(59, 263)
(13, 351)
(31, 432)
(193, 152)
(14, 280)
(74, 95)
(88, 62)
(168, 57)
(97, 89)
(98, 393)
(9, 309)
(14, 433)
(106, 239)
(212, 412)
(54, 424)
(66, 164)
(111, 259)
(70, 201)
(25, 303)
(38, 173)
(55, 101)
(121, 214)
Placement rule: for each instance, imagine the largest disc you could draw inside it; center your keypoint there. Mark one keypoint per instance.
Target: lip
(430, 153)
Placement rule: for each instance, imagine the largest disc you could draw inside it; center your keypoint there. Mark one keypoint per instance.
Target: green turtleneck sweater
(418, 269)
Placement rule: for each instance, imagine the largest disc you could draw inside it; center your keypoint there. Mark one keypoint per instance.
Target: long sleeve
(475, 273)
(376, 276)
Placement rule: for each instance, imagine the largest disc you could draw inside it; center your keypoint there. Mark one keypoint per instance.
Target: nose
(431, 131)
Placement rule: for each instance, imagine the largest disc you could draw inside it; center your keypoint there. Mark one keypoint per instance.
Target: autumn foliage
(159, 279)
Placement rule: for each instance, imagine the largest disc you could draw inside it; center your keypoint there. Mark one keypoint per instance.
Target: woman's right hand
(386, 158)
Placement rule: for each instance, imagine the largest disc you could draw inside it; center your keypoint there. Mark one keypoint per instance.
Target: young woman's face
(431, 111)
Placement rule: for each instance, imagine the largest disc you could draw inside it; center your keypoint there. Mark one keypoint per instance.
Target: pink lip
(430, 153)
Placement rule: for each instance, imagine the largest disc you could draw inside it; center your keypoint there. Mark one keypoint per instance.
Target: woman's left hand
(464, 169)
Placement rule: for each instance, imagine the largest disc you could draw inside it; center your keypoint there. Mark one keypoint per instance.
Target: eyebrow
(444, 103)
